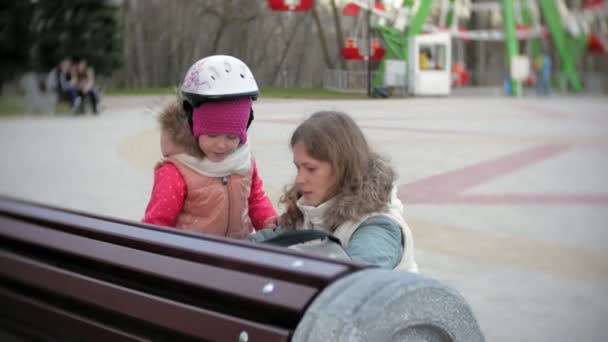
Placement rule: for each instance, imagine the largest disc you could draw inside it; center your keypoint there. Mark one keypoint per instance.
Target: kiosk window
(432, 57)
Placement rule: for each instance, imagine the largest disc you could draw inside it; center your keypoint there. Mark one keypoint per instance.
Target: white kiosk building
(430, 64)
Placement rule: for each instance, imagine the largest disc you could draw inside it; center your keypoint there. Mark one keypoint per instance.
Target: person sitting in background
(84, 78)
(426, 59)
(60, 80)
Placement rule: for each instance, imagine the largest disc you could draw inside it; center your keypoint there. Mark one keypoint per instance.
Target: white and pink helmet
(217, 93)
(218, 77)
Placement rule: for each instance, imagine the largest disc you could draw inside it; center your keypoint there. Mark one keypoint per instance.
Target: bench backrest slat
(25, 309)
(159, 311)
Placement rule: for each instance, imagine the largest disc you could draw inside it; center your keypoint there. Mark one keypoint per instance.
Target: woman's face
(315, 179)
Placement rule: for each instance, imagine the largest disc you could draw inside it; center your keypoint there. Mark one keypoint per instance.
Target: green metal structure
(568, 56)
(536, 47)
(569, 48)
(511, 42)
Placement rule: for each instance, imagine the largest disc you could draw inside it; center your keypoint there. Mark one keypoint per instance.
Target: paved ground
(507, 198)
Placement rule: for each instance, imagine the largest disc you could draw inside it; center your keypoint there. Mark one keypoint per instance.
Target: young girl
(208, 181)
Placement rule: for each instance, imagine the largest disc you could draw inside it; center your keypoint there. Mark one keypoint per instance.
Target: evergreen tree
(78, 28)
(15, 37)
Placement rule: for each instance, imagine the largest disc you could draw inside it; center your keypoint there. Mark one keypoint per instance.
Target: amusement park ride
(573, 31)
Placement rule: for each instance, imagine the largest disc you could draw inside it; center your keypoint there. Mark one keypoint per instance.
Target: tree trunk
(288, 44)
(158, 52)
(322, 40)
(302, 55)
(140, 48)
(339, 34)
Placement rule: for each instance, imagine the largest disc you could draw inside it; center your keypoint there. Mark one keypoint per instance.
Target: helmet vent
(227, 67)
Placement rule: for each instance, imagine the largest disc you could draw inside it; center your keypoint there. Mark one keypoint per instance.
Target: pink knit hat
(222, 117)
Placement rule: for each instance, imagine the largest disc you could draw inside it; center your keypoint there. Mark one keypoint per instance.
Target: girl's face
(218, 146)
(315, 179)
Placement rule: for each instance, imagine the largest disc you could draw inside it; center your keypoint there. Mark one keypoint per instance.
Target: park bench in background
(66, 275)
(41, 95)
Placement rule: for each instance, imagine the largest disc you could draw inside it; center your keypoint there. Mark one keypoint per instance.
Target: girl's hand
(273, 222)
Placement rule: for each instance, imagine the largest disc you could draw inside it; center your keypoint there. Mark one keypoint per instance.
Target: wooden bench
(66, 275)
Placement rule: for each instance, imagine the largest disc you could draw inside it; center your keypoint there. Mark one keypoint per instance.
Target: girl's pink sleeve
(260, 207)
(167, 199)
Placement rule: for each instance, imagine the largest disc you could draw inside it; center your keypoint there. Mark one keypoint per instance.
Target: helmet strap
(250, 118)
(188, 110)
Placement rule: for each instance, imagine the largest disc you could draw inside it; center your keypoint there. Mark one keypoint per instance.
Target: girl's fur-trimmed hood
(373, 196)
(172, 119)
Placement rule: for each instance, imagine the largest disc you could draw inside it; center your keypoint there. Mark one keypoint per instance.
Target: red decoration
(596, 45)
(350, 43)
(376, 44)
(290, 5)
(351, 9)
(460, 75)
(379, 6)
(378, 54)
(593, 3)
(352, 53)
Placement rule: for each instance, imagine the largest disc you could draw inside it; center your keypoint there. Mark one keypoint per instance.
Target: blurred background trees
(151, 43)
(15, 38)
(77, 28)
(37, 35)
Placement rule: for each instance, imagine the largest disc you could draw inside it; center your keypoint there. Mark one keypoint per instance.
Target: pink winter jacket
(231, 206)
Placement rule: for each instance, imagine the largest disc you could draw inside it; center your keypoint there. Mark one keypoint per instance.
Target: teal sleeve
(378, 241)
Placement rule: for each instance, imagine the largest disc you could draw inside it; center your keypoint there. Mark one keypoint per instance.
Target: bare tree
(322, 39)
(338, 27)
(288, 42)
(276, 45)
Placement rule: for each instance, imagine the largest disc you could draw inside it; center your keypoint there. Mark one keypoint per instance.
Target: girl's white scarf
(238, 162)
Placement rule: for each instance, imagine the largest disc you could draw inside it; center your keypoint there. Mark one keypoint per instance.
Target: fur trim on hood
(172, 119)
(374, 195)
